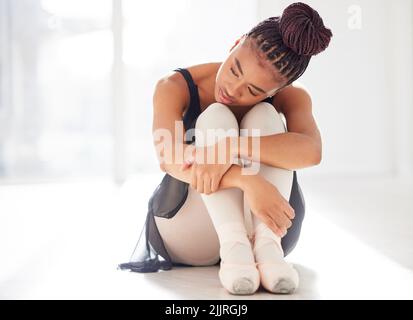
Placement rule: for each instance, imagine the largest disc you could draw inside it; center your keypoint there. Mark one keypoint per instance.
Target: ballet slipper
(277, 276)
(237, 278)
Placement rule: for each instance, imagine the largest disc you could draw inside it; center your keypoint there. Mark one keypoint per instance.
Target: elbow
(314, 154)
(317, 160)
(162, 167)
(317, 156)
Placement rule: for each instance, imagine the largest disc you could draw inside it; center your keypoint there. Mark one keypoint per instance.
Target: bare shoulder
(293, 96)
(203, 76)
(203, 71)
(199, 72)
(174, 80)
(173, 85)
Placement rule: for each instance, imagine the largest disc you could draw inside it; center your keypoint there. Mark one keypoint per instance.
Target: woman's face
(245, 78)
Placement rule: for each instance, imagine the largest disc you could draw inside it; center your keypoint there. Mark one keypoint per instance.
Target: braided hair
(289, 41)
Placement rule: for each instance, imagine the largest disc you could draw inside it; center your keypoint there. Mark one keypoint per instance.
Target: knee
(263, 116)
(214, 123)
(217, 116)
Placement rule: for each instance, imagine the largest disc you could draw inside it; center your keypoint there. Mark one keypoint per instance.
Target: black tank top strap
(194, 108)
(269, 100)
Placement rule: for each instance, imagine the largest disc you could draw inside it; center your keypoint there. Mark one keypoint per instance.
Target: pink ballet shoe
(276, 276)
(239, 279)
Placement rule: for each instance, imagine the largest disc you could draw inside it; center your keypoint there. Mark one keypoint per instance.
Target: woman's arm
(169, 100)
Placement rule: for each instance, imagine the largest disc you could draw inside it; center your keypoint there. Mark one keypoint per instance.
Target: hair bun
(303, 31)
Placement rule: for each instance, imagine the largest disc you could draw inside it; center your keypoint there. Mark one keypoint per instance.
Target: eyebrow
(240, 70)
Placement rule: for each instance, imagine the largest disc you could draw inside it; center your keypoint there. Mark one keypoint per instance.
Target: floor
(64, 241)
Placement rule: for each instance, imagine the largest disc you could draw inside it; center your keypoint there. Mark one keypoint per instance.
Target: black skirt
(169, 196)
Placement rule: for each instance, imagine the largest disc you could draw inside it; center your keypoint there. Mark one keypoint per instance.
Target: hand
(207, 172)
(267, 203)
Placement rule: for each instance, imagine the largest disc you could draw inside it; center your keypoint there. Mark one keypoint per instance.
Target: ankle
(263, 236)
(239, 251)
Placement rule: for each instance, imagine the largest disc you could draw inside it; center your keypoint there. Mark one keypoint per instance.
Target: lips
(224, 98)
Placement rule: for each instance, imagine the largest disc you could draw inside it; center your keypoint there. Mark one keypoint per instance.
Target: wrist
(246, 182)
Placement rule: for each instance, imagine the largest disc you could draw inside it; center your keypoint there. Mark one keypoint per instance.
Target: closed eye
(233, 72)
(252, 93)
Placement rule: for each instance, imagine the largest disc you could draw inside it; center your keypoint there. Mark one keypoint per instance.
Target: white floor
(64, 241)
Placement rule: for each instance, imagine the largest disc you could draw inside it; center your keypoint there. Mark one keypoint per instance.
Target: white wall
(361, 87)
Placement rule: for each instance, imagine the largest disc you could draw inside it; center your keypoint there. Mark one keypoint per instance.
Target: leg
(238, 272)
(276, 275)
(192, 221)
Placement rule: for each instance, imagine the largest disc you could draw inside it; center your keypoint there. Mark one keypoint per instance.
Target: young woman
(206, 212)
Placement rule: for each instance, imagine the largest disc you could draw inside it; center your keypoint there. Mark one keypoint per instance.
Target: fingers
(212, 185)
(286, 222)
(199, 183)
(289, 211)
(277, 225)
(207, 185)
(193, 178)
(215, 184)
(202, 181)
(281, 223)
(279, 231)
(275, 228)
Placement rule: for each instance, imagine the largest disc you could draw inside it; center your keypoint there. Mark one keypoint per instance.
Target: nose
(233, 90)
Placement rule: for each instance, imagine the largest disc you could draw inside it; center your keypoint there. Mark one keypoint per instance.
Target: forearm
(231, 179)
(173, 166)
(288, 150)
(175, 171)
